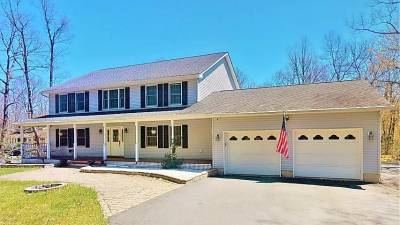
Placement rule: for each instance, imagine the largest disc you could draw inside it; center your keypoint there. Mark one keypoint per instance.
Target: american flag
(282, 146)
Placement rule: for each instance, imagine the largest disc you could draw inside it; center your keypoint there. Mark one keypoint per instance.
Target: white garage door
(252, 152)
(331, 153)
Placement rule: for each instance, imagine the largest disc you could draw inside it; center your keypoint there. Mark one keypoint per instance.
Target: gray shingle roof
(322, 96)
(147, 71)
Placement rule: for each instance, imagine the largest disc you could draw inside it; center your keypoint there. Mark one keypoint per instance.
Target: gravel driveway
(116, 192)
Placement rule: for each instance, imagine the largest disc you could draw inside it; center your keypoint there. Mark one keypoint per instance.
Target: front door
(116, 141)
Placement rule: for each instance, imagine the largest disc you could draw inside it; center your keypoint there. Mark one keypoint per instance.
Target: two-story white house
(134, 112)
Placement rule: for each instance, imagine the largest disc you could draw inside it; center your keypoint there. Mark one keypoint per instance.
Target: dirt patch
(390, 176)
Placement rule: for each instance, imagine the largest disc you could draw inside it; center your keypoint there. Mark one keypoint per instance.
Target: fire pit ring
(44, 187)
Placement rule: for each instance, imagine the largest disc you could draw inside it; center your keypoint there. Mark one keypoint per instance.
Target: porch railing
(34, 151)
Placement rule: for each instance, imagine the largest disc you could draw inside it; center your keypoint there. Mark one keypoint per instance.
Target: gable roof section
(310, 97)
(147, 71)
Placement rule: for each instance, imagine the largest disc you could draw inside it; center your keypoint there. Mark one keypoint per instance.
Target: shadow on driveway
(319, 182)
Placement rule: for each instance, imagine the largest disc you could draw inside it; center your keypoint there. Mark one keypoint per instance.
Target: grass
(72, 204)
(4, 171)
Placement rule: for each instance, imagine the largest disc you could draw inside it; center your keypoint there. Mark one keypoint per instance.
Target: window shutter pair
(163, 136)
(71, 137)
(162, 92)
(71, 102)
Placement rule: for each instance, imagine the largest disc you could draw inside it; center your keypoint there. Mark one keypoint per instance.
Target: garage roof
(308, 97)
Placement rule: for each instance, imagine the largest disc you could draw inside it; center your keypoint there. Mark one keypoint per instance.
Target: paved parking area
(238, 200)
(116, 192)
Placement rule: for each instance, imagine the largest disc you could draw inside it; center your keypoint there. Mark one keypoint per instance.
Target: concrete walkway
(180, 176)
(233, 200)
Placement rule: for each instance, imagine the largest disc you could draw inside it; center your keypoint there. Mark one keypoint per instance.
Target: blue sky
(257, 34)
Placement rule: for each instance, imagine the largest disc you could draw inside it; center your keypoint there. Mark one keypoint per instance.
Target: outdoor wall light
(217, 137)
(370, 135)
(100, 131)
(126, 130)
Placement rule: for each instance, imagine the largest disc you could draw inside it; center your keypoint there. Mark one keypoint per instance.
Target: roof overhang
(174, 115)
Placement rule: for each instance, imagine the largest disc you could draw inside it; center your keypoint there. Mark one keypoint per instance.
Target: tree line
(374, 58)
(27, 51)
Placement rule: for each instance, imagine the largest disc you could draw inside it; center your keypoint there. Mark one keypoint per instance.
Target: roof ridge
(292, 85)
(158, 61)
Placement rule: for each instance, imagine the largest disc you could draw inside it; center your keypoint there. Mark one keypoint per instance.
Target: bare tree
(56, 35)
(243, 79)
(8, 53)
(29, 46)
(303, 67)
(344, 60)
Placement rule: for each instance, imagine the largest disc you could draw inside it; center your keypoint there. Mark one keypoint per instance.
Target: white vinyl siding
(368, 121)
(218, 78)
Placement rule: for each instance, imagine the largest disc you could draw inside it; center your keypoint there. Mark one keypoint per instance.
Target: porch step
(84, 162)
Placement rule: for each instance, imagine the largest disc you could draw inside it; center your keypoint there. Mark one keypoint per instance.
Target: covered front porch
(128, 141)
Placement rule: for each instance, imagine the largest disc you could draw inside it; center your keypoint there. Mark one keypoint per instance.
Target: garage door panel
(256, 157)
(339, 158)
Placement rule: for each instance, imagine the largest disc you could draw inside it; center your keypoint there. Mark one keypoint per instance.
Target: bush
(171, 161)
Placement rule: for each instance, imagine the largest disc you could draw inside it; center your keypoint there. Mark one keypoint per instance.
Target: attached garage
(328, 153)
(252, 152)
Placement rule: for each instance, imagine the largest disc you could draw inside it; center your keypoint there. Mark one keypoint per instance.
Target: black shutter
(160, 95)
(184, 93)
(185, 138)
(87, 138)
(71, 102)
(86, 101)
(142, 136)
(166, 94)
(57, 138)
(142, 96)
(70, 137)
(57, 103)
(127, 98)
(160, 135)
(166, 136)
(100, 100)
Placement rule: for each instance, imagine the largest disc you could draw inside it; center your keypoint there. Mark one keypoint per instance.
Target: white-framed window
(63, 104)
(151, 137)
(175, 94)
(178, 136)
(80, 137)
(114, 99)
(63, 137)
(80, 102)
(151, 95)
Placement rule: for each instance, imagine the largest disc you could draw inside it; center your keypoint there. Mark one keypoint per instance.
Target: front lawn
(4, 171)
(72, 204)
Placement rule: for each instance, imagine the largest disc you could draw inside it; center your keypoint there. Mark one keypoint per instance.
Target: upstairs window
(176, 94)
(114, 99)
(63, 103)
(80, 102)
(151, 95)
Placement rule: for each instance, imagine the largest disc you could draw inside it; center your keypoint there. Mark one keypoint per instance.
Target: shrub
(171, 161)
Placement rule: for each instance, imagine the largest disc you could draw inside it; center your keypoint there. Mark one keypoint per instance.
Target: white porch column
(75, 141)
(48, 141)
(21, 133)
(172, 133)
(104, 141)
(136, 141)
